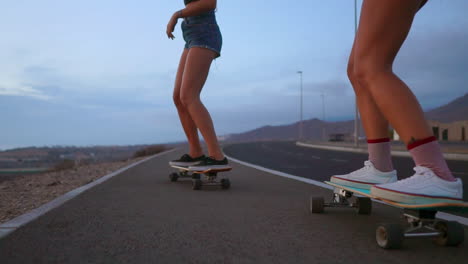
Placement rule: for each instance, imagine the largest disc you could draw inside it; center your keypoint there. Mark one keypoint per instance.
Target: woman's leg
(378, 169)
(374, 123)
(196, 71)
(189, 126)
(384, 26)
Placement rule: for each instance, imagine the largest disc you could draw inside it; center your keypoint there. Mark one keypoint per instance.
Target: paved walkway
(140, 216)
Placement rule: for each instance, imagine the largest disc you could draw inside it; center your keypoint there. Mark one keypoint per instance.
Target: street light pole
(356, 116)
(300, 124)
(324, 137)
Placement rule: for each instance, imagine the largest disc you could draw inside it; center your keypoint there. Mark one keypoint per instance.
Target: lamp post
(300, 118)
(356, 116)
(324, 137)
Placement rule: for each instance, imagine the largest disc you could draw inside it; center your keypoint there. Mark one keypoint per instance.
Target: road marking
(282, 174)
(440, 215)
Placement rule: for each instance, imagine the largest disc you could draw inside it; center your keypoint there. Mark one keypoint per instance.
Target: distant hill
(456, 110)
(313, 129)
(35, 157)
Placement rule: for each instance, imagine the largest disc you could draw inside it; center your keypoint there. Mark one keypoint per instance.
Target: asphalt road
(140, 216)
(320, 164)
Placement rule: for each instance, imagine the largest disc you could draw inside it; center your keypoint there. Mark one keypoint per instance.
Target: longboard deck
(202, 171)
(443, 206)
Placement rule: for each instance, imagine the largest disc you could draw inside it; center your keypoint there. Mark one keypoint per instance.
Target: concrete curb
(15, 223)
(396, 153)
(441, 215)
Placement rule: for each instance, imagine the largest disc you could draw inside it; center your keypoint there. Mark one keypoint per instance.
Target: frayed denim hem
(218, 54)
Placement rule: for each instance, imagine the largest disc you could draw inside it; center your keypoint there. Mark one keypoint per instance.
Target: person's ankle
(218, 157)
(195, 154)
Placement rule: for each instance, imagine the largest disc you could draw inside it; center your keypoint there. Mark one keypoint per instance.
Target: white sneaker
(365, 178)
(422, 188)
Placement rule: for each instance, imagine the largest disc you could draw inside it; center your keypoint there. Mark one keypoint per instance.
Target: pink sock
(427, 153)
(379, 154)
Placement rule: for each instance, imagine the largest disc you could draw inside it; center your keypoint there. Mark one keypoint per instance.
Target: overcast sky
(101, 72)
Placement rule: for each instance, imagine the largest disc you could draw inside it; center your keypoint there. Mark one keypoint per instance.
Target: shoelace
(420, 173)
(367, 166)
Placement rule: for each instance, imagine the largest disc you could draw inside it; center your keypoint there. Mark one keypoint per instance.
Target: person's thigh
(180, 73)
(197, 67)
(383, 27)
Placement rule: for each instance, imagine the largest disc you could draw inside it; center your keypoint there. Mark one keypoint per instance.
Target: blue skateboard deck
(182, 168)
(422, 219)
(197, 183)
(442, 206)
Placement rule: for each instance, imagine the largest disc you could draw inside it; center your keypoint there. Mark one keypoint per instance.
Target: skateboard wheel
(389, 236)
(173, 176)
(225, 183)
(197, 184)
(452, 233)
(316, 205)
(364, 205)
(195, 176)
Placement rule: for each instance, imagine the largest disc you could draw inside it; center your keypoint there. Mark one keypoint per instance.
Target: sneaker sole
(410, 198)
(350, 183)
(183, 164)
(211, 168)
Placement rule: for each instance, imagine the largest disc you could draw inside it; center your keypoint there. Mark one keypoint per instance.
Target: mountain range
(315, 129)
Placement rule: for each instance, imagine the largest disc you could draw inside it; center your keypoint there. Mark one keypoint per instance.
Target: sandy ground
(23, 193)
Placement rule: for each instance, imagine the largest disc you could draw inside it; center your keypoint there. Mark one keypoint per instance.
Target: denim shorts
(202, 31)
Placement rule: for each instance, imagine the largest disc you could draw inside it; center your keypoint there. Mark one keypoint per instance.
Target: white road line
(10, 226)
(440, 215)
(282, 174)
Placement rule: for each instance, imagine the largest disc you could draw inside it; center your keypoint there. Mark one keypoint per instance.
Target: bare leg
(384, 26)
(189, 126)
(373, 121)
(196, 71)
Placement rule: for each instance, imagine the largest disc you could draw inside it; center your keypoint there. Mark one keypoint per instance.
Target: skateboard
(421, 218)
(197, 183)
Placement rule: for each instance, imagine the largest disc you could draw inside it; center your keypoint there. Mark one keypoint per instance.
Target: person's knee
(350, 71)
(366, 71)
(187, 100)
(359, 89)
(177, 101)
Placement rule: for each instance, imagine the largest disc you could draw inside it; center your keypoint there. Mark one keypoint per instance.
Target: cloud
(435, 66)
(15, 89)
(12, 83)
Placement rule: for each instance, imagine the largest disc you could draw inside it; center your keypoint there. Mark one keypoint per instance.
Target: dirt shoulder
(23, 193)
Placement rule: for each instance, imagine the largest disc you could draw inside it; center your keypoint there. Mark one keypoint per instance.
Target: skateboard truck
(421, 224)
(197, 182)
(421, 221)
(210, 180)
(183, 174)
(341, 199)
